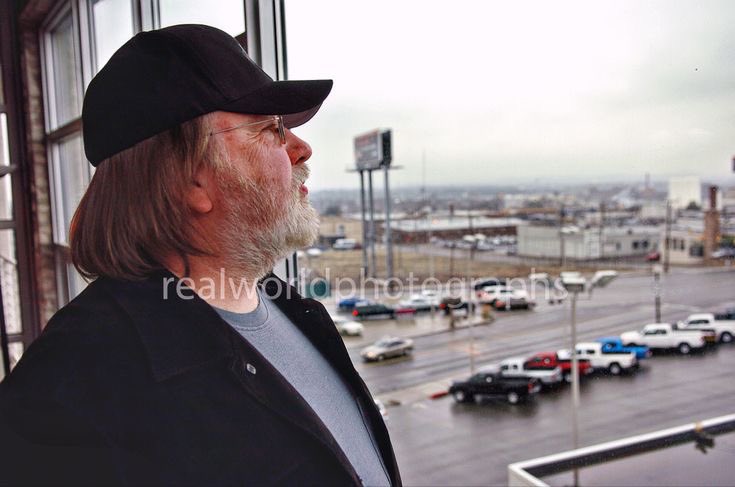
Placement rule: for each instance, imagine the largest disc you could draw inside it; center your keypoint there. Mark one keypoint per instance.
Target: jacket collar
(179, 330)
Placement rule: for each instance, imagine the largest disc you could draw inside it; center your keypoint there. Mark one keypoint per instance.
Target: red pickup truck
(549, 360)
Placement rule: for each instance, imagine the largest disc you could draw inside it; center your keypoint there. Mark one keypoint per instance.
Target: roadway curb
(439, 394)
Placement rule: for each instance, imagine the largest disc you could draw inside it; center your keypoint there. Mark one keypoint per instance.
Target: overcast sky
(511, 91)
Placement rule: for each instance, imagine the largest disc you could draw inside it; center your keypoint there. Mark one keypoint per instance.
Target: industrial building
(586, 243)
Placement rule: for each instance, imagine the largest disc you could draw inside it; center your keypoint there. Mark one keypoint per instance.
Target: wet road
(442, 443)
(626, 305)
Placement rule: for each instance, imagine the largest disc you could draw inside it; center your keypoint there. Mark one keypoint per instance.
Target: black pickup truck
(495, 385)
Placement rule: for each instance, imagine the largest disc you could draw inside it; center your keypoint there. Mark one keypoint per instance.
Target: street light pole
(575, 382)
(576, 285)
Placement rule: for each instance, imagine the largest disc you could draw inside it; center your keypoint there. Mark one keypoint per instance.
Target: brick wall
(39, 199)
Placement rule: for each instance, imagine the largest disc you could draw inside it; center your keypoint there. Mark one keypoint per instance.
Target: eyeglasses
(278, 119)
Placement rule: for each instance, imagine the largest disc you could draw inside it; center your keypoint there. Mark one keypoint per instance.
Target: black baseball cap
(162, 78)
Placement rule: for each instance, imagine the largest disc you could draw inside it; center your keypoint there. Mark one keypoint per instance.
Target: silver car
(387, 347)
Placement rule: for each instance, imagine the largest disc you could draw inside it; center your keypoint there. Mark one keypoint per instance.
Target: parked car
(615, 345)
(554, 360)
(348, 304)
(345, 244)
(724, 253)
(614, 363)
(387, 347)
(724, 329)
(489, 294)
(314, 252)
(373, 310)
(515, 367)
(421, 302)
(665, 336)
(495, 385)
(653, 256)
(728, 314)
(515, 299)
(488, 282)
(449, 304)
(348, 327)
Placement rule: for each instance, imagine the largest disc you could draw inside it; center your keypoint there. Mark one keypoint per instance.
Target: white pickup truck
(724, 329)
(615, 363)
(513, 367)
(664, 336)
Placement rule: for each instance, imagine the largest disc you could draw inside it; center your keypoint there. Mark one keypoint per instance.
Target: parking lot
(439, 442)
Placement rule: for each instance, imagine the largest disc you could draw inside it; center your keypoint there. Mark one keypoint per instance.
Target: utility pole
(562, 257)
(451, 259)
(472, 232)
(602, 228)
(657, 292)
(667, 237)
(428, 242)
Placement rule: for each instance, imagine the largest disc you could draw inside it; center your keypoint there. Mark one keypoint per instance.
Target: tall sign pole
(373, 150)
(371, 228)
(364, 224)
(386, 145)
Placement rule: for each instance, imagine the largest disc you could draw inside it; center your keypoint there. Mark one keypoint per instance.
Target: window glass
(65, 73)
(75, 282)
(228, 16)
(113, 25)
(9, 282)
(4, 149)
(72, 177)
(15, 350)
(6, 193)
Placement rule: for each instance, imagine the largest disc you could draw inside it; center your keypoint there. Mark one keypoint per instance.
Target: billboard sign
(368, 150)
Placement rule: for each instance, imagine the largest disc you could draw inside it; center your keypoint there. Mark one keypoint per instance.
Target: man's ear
(199, 194)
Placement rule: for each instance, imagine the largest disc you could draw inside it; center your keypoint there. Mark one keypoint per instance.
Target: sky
(495, 92)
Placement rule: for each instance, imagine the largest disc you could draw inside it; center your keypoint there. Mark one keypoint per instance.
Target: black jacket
(125, 387)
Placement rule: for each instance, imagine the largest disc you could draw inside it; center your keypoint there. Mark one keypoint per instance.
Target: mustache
(300, 174)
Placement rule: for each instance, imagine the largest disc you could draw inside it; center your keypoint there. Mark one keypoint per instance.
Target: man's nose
(298, 150)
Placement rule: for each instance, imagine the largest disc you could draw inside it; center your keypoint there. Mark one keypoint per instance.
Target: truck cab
(614, 363)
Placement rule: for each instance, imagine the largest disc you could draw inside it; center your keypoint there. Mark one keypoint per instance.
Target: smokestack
(711, 224)
(713, 197)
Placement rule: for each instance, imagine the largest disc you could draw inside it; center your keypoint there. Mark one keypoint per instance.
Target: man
(175, 366)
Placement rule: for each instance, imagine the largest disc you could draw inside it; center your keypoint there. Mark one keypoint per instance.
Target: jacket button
(250, 368)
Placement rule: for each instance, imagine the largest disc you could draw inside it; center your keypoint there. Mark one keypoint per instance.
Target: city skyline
(523, 93)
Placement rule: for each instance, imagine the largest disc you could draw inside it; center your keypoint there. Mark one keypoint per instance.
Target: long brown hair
(133, 213)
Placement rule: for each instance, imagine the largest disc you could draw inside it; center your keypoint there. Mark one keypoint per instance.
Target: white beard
(259, 227)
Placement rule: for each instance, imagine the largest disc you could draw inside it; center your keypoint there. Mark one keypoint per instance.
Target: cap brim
(297, 101)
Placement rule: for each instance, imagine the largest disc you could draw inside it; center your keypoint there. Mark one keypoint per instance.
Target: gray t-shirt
(277, 338)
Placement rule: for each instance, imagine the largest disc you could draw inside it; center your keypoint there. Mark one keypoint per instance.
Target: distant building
(685, 245)
(422, 229)
(653, 211)
(586, 244)
(685, 190)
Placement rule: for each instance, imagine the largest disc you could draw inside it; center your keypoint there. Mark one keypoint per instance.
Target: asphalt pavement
(438, 442)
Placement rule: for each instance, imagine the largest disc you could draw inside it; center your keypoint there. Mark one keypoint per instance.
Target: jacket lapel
(180, 331)
(314, 322)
